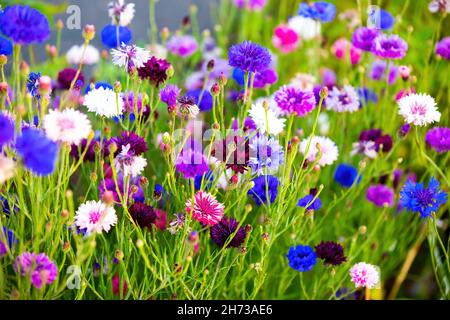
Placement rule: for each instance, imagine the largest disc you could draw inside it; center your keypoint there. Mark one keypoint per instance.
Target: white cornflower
(263, 122)
(343, 99)
(128, 163)
(75, 55)
(7, 168)
(130, 56)
(419, 109)
(306, 28)
(69, 126)
(328, 150)
(104, 102)
(303, 81)
(157, 50)
(95, 217)
(120, 12)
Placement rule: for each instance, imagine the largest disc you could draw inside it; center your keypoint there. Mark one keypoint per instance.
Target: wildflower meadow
(291, 150)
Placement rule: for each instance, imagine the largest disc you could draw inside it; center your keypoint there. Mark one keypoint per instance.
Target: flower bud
(223, 79)
(45, 84)
(112, 148)
(215, 90)
(119, 255)
(3, 88)
(89, 32)
(3, 60)
(59, 24)
(404, 72)
(323, 92)
(108, 197)
(210, 65)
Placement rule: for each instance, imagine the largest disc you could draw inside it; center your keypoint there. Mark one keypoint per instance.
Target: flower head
(33, 84)
(310, 202)
(41, 270)
(154, 70)
(95, 217)
(222, 231)
(266, 120)
(332, 253)
(7, 168)
(439, 139)
(443, 47)
(320, 146)
(169, 95)
(364, 275)
(321, 10)
(104, 102)
(66, 77)
(265, 189)
(249, 56)
(130, 56)
(191, 163)
(205, 208)
(389, 47)
(306, 28)
(128, 163)
(137, 144)
(75, 55)
(285, 39)
(419, 109)
(109, 36)
(345, 99)
(183, 46)
(380, 195)
(302, 258)
(6, 47)
(121, 13)
(69, 126)
(292, 100)
(6, 129)
(144, 215)
(24, 25)
(266, 155)
(346, 175)
(38, 152)
(251, 5)
(426, 201)
(439, 5)
(364, 37)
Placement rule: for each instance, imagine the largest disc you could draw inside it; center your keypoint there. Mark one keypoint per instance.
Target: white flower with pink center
(95, 217)
(419, 109)
(67, 126)
(128, 163)
(205, 209)
(329, 151)
(365, 275)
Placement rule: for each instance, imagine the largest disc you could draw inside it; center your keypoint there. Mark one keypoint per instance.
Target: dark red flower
(331, 252)
(155, 71)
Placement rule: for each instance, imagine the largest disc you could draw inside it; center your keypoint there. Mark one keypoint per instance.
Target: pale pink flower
(365, 275)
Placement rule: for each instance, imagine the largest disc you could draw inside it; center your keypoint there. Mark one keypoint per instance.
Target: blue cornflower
(302, 258)
(9, 237)
(6, 130)
(239, 76)
(33, 84)
(264, 186)
(207, 178)
(249, 57)
(346, 175)
(6, 46)
(207, 100)
(160, 195)
(367, 95)
(266, 155)
(320, 10)
(416, 198)
(381, 19)
(38, 152)
(99, 85)
(24, 25)
(303, 202)
(109, 36)
(6, 207)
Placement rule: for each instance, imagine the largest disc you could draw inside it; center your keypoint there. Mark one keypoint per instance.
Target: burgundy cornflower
(144, 215)
(376, 135)
(439, 139)
(66, 76)
(292, 100)
(331, 252)
(41, 270)
(205, 208)
(115, 281)
(155, 71)
(221, 232)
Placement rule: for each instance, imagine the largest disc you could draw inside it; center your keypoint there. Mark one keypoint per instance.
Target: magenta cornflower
(292, 100)
(191, 163)
(205, 208)
(183, 46)
(439, 139)
(380, 195)
(364, 37)
(41, 270)
(389, 47)
(169, 95)
(443, 48)
(364, 275)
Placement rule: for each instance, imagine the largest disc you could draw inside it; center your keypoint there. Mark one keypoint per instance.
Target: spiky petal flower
(128, 163)
(191, 163)
(320, 146)
(443, 46)
(380, 195)
(144, 215)
(332, 253)
(104, 102)
(426, 201)
(41, 270)
(154, 70)
(439, 139)
(302, 258)
(363, 37)
(419, 109)
(137, 144)
(389, 47)
(130, 56)
(292, 100)
(69, 126)
(265, 189)
(365, 275)
(266, 155)
(345, 99)
(222, 231)
(266, 120)
(205, 208)
(249, 57)
(33, 84)
(121, 13)
(182, 45)
(95, 217)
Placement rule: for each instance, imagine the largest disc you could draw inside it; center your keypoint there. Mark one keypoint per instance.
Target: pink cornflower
(343, 48)
(364, 275)
(285, 39)
(206, 209)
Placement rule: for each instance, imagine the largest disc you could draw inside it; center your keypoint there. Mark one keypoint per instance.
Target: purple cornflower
(138, 146)
(109, 185)
(332, 253)
(66, 76)
(363, 37)
(183, 46)
(389, 47)
(191, 163)
(265, 78)
(169, 95)
(41, 270)
(292, 100)
(128, 104)
(380, 195)
(222, 231)
(24, 25)
(380, 69)
(443, 48)
(439, 139)
(345, 99)
(249, 57)
(6, 130)
(265, 187)
(33, 84)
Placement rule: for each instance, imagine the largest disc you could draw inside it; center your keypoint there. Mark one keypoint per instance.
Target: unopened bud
(215, 90)
(323, 92)
(65, 214)
(108, 197)
(89, 32)
(3, 60)
(59, 24)
(223, 79)
(112, 148)
(210, 65)
(119, 255)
